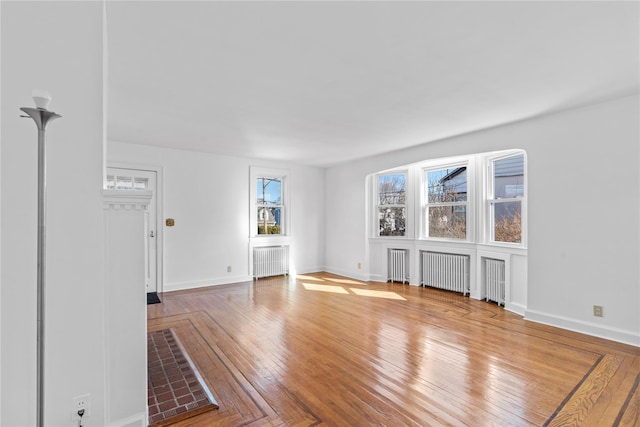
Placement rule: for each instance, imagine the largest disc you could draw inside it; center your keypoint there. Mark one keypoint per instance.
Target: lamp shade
(42, 98)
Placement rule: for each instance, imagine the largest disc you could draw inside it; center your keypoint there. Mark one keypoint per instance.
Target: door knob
(151, 234)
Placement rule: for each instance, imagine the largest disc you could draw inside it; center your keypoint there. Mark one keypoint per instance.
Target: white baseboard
(349, 274)
(613, 334)
(376, 278)
(180, 286)
(138, 420)
(307, 270)
(516, 308)
(475, 294)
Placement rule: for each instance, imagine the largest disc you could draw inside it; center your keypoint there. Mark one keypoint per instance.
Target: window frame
(406, 205)
(468, 204)
(491, 201)
(283, 176)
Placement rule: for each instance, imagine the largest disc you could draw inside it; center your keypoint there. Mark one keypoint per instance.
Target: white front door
(145, 180)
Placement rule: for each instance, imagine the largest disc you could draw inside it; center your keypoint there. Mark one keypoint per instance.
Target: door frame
(159, 213)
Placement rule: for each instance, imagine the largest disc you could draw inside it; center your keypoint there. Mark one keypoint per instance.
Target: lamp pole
(41, 116)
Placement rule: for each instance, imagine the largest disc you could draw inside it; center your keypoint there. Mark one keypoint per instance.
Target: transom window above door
(115, 182)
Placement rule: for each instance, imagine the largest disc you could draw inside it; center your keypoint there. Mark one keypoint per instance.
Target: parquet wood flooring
(321, 349)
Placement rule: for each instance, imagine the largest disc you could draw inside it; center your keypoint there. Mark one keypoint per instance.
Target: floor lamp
(41, 116)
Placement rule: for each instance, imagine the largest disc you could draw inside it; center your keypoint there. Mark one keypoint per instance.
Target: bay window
(478, 198)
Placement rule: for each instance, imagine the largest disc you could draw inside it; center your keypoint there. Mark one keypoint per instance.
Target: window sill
(506, 247)
(269, 239)
(445, 243)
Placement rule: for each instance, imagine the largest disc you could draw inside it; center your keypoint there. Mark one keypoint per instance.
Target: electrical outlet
(78, 403)
(597, 311)
(228, 269)
(359, 266)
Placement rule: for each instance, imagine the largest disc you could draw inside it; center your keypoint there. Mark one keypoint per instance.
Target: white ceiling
(326, 82)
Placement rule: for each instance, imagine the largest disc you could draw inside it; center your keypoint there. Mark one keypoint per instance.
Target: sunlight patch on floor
(345, 281)
(335, 289)
(377, 294)
(325, 288)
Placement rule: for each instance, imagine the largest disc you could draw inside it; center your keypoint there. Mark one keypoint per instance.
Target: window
(477, 198)
(446, 202)
(269, 216)
(115, 182)
(392, 204)
(506, 197)
(269, 205)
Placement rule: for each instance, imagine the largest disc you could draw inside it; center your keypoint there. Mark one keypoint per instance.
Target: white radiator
(445, 271)
(398, 265)
(270, 261)
(494, 280)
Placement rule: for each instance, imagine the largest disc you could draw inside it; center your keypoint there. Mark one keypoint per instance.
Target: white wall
(56, 46)
(583, 212)
(0, 217)
(208, 196)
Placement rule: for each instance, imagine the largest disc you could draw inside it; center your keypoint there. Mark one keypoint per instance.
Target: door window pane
(123, 183)
(140, 184)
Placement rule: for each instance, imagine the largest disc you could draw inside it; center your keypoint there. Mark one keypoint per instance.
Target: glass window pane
(508, 177)
(269, 220)
(507, 222)
(392, 189)
(448, 222)
(392, 221)
(124, 183)
(140, 183)
(269, 191)
(447, 185)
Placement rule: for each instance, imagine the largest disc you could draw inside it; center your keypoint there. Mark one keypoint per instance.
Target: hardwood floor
(326, 350)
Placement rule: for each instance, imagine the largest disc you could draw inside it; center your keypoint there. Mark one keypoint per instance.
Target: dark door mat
(176, 390)
(152, 298)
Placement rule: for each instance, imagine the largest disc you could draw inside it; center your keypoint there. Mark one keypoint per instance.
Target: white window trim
(282, 174)
(467, 162)
(488, 229)
(408, 206)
